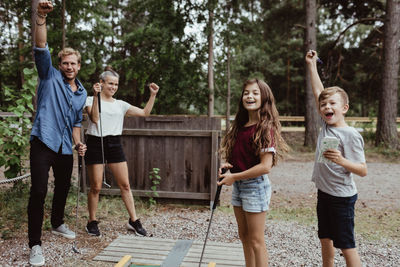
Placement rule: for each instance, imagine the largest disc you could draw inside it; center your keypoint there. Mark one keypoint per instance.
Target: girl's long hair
(268, 128)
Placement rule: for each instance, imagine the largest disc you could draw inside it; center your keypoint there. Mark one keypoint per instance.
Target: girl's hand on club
(96, 89)
(227, 179)
(154, 88)
(44, 7)
(226, 166)
(333, 155)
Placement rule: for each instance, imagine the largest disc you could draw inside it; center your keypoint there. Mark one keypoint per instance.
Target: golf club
(74, 247)
(102, 146)
(214, 206)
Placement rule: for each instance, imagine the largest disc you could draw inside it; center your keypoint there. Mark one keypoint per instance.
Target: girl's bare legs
(256, 224)
(251, 228)
(243, 235)
(328, 252)
(120, 172)
(95, 172)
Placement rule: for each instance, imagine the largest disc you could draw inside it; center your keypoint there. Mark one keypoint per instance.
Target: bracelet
(41, 23)
(41, 15)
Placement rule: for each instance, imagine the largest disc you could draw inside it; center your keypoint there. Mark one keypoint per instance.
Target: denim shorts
(336, 219)
(253, 195)
(113, 152)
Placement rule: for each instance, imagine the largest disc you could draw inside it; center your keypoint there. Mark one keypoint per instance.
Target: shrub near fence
(184, 148)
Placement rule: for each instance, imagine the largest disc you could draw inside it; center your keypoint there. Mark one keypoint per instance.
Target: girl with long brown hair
(251, 148)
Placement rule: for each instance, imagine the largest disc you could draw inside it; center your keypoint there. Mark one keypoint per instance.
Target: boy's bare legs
(255, 250)
(328, 252)
(95, 173)
(352, 257)
(120, 172)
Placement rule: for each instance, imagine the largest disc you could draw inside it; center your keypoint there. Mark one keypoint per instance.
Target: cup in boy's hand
(327, 142)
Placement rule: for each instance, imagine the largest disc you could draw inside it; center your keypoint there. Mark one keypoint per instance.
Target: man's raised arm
(43, 8)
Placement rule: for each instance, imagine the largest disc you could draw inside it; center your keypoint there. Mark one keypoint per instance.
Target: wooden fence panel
(184, 148)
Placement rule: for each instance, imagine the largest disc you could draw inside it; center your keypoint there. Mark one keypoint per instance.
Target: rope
(15, 179)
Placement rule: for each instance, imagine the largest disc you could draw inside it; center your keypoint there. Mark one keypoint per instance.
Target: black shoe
(136, 226)
(92, 229)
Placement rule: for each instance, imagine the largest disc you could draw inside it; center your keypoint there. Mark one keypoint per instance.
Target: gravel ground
(289, 243)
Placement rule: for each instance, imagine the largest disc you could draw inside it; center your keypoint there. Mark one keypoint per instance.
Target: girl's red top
(243, 154)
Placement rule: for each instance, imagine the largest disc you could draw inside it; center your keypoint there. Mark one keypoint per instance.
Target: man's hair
(330, 91)
(68, 51)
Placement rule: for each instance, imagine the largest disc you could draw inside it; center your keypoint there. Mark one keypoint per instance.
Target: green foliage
(13, 203)
(155, 179)
(15, 131)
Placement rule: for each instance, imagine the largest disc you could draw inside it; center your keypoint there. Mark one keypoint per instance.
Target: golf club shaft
(74, 248)
(223, 170)
(102, 145)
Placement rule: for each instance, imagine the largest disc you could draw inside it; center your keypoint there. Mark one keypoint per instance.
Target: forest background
(201, 52)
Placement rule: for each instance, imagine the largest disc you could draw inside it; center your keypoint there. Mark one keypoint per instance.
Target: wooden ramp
(154, 251)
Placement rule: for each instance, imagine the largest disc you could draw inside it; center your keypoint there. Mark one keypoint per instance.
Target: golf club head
(75, 249)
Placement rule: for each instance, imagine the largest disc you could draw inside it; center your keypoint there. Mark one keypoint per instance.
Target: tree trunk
(21, 57)
(387, 129)
(63, 24)
(211, 61)
(311, 113)
(228, 93)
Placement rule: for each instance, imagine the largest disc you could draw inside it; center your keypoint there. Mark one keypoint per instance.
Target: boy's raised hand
(311, 56)
(44, 7)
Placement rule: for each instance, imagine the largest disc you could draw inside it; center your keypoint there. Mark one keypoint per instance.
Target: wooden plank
(155, 251)
(177, 254)
(214, 167)
(124, 262)
(163, 132)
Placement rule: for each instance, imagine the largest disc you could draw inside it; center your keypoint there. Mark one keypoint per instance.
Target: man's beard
(67, 78)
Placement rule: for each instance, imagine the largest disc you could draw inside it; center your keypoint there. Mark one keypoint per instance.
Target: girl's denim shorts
(253, 195)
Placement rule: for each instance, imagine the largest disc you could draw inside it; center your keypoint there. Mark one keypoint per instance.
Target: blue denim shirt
(59, 109)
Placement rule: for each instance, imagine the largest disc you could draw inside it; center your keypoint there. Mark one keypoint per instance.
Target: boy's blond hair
(330, 91)
(68, 51)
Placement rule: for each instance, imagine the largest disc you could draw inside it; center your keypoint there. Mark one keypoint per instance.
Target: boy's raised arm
(316, 84)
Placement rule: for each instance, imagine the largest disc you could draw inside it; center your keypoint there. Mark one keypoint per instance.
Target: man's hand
(44, 7)
(81, 148)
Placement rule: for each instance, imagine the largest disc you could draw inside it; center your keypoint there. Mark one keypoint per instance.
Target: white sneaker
(63, 231)
(36, 257)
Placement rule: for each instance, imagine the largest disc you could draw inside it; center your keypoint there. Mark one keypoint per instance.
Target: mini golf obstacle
(150, 251)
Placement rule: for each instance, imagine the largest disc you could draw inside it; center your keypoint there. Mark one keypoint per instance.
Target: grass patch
(378, 224)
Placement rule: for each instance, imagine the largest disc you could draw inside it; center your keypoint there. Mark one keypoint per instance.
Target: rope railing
(12, 180)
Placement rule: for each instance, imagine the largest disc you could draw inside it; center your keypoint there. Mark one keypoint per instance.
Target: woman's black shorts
(113, 152)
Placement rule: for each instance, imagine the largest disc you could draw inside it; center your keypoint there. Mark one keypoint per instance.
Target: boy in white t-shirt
(337, 192)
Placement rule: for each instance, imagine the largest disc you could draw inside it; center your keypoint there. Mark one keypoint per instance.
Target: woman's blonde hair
(268, 128)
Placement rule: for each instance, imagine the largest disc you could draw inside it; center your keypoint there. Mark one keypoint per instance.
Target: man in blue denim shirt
(60, 101)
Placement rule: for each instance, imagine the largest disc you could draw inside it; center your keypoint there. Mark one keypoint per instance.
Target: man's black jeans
(41, 159)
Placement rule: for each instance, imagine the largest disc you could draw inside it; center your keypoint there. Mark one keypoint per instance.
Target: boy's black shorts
(336, 219)
(113, 151)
